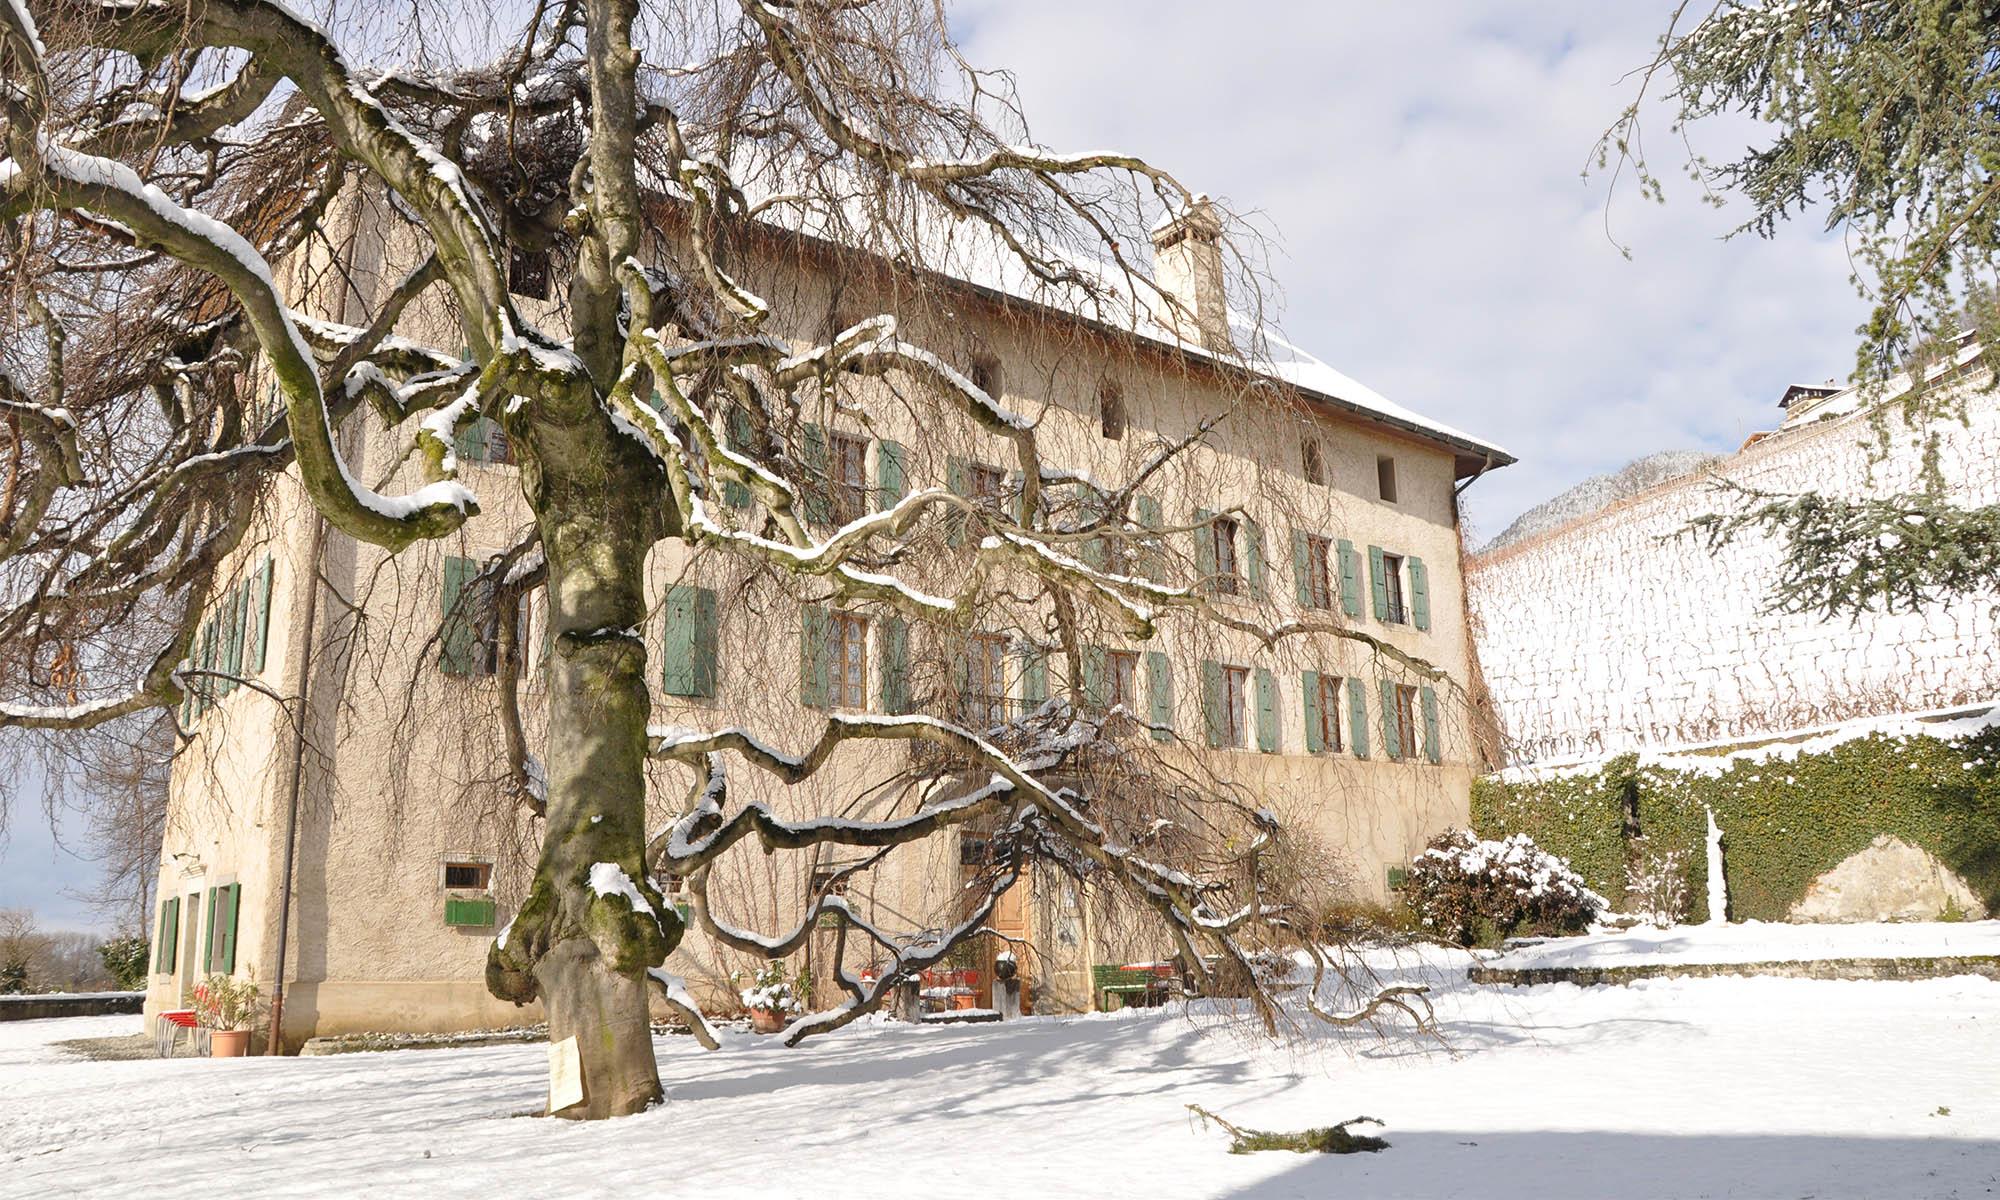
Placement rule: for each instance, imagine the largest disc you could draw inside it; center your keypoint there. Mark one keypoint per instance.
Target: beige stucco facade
(398, 767)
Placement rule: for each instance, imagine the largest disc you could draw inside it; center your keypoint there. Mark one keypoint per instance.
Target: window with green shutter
(1357, 717)
(165, 957)
(815, 655)
(895, 666)
(1378, 578)
(817, 502)
(1350, 579)
(223, 904)
(1204, 548)
(891, 473)
(1160, 694)
(1432, 750)
(1253, 553)
(1420, 593)
(1214, 720)
(1034, 675)
(738, 435)
(688, 652)
(1095, 694)
(1151, 560)
(1269, 739)
(455, 640)
(260, 616)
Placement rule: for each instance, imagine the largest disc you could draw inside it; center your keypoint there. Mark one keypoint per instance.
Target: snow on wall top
(1614, 633)
(1599, 492)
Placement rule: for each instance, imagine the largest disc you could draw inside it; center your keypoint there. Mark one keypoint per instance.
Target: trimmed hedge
(1784, 821)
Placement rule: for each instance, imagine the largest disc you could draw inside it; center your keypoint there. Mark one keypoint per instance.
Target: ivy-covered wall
(1785, 820)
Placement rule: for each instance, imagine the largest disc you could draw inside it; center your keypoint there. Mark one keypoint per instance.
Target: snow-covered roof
(1117, 304)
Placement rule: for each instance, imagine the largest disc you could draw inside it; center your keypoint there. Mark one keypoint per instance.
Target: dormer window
(985, 374)
(1314, 464)
(1111, 411)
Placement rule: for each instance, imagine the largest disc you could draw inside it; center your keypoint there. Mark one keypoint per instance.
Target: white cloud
(1420, 164)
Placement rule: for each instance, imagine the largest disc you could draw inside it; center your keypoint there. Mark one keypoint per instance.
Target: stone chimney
(1187, 266)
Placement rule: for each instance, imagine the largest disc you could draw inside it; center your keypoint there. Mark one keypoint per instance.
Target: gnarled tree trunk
(592, 924)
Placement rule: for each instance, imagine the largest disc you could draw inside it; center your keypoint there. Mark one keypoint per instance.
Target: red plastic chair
(167, 1030)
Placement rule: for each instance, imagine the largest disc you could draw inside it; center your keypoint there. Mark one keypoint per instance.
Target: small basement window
(1385, 477)
(468, 876)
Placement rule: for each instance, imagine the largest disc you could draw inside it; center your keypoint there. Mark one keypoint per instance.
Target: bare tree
(162, 157)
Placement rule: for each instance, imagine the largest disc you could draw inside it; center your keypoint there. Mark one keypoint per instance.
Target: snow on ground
(1681, 1088)
(1756, 942)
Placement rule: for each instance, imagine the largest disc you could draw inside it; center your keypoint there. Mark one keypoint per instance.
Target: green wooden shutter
(815, 662)
(468, 441)
(260, 636)
(455, 655)
(1152, 562)
(1309, 695)
(1378, 577)
(1160, 692)
(1215, 722)
(1420, 594)
(895, 666)
(1204, 550)
(1302, 569)
(1034, 676)
(1430, 702)
(236, 613)
(1094, 694)
(1095, 553)
(226, 899)
(1253, 540)
(1392, 733)
(1268, 734)
(1350, 579)
(208, 934)
(688, 658)
(1015, 481)
(957, 481)
(818, 499)
(167, 957)
(738, 436)
(891, 473)
(1357, 718)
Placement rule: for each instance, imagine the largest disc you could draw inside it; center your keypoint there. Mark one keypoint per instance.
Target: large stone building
(372, 850)
(1621, 630)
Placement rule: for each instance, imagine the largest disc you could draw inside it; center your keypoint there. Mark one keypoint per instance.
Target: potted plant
(772, 999)
(226, 1007)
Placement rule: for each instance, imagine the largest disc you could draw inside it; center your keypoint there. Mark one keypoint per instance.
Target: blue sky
(1419, 167)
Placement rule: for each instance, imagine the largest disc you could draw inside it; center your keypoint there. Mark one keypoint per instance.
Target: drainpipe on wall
(275, 1044)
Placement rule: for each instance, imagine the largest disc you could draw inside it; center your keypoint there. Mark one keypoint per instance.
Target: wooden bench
(1147, 982)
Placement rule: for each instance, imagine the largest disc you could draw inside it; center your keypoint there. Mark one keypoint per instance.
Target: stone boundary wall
(89, 1004)
(1615, 633)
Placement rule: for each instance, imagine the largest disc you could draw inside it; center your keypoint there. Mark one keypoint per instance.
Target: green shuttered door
(1378, 576)
(814, 655)
(1350, 579)
(455, 650)
(1392, 732)
(895, 666)
(1430, 702)
(1420, 594)
(1309, 706)
(1215, 723)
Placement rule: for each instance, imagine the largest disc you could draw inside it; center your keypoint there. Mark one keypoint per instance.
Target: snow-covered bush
(1656, 885)
(772, 991)
(1473, 892)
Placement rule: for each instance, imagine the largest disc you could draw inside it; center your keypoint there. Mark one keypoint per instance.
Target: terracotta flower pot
(228, 1043)
(963, 1001)
(767, 1020)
